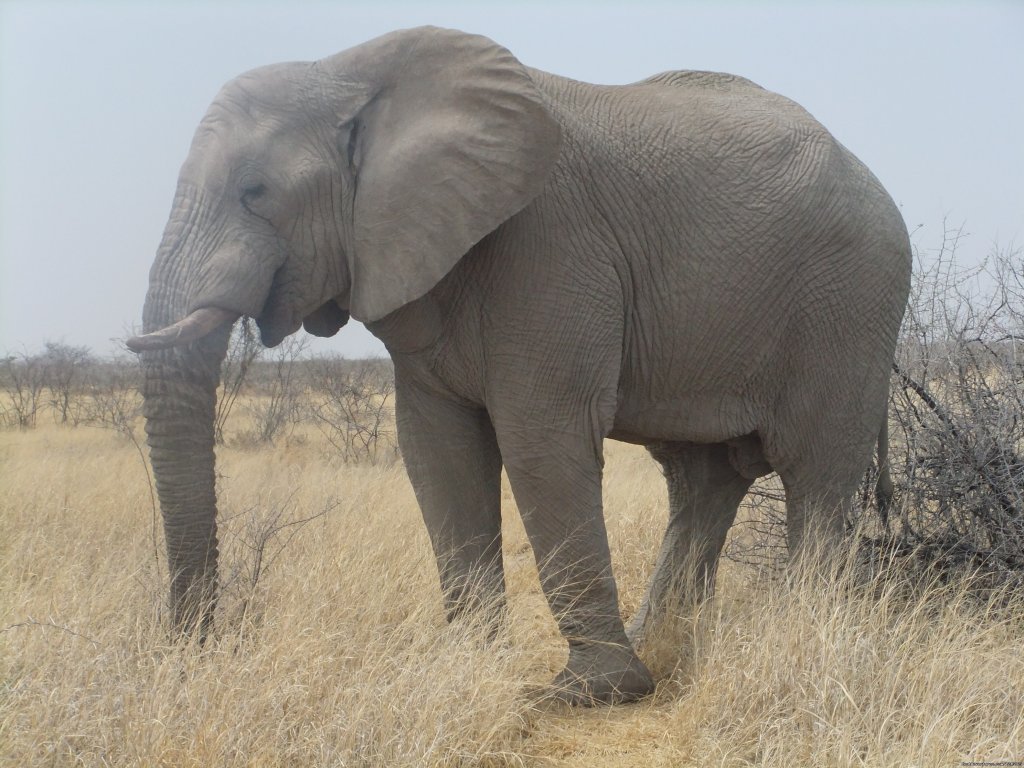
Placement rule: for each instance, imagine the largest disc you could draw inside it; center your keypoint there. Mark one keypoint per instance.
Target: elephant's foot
(602, 674)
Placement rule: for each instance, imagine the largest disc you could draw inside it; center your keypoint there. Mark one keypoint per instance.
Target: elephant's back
(683, 100)
(686, 78)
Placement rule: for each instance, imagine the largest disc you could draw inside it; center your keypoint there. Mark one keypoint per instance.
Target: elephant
(691, 263)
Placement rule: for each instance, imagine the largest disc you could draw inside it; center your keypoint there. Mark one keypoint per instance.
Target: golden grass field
(340, 655)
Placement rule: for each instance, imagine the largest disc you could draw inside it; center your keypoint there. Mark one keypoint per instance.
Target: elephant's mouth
(282, 316)
(274, 329)
(276, 321)
(326, 320)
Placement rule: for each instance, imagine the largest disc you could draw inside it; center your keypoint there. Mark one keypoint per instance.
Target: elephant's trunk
(179, 389)
(180, 393)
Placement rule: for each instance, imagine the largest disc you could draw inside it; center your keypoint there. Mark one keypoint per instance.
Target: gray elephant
(691, 263)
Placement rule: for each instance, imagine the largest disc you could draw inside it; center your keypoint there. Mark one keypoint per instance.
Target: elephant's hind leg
(820, 485)
(816, 515)
(821, 456)
(704, 492)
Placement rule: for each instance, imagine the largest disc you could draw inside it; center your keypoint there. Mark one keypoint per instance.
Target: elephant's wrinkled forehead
(216, 149)
(262, 93)
(246, 112)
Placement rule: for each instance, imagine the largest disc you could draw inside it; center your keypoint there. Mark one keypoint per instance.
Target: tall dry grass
(336, 653)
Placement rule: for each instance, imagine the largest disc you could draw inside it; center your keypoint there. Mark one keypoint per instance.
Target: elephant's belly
(691, 418)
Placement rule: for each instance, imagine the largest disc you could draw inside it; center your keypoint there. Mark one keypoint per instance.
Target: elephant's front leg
(555, 474)
(452, 458)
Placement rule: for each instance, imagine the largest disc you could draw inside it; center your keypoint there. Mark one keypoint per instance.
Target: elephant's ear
(454, 140)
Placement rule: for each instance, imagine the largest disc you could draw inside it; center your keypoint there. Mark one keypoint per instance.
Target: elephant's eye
(252, 193)
(353, 137)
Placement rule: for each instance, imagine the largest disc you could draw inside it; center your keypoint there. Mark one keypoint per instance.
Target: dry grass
(340, 656)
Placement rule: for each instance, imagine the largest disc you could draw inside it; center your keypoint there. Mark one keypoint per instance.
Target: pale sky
(99, 100)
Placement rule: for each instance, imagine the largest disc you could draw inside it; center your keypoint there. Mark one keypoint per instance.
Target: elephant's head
(314, 190)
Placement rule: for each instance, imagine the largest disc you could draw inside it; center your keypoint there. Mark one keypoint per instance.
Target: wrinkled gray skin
(691, 263)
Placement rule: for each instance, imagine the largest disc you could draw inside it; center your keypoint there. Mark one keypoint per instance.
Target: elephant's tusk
(195, 326)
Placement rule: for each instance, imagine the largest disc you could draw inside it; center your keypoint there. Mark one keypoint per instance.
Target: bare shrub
(111, 398)
(66, 370)
(76, 387)
(277, 390)
(244, 350)
(24, 379)
(260, 533)
(350, 403)
(958, 407)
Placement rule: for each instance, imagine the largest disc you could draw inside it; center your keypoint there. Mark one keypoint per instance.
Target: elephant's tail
(884, 488)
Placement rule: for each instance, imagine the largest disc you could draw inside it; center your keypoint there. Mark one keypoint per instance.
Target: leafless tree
(24, 377)
(65, 368)
(350, 403)
(262, 532)
(113, 402)
(277, 391)
(958, 404)
(243, 351)
(112, 397)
